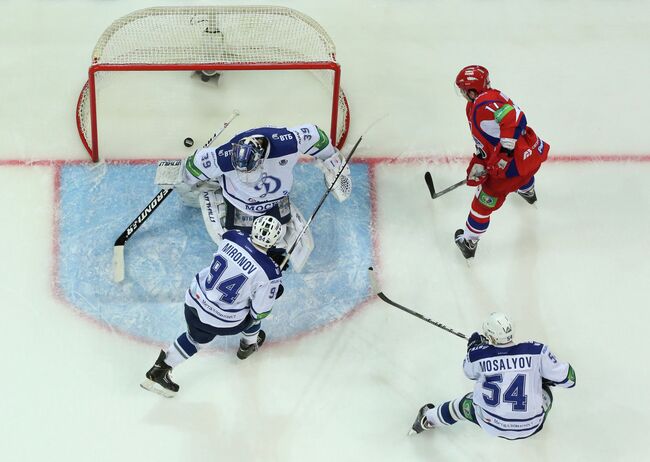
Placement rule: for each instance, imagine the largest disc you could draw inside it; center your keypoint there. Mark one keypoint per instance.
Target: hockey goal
(211, 38)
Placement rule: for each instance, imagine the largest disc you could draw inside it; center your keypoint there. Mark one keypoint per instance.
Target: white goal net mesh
(248, 36)
(214, 34)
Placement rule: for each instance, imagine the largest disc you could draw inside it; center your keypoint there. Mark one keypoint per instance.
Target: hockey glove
(278, 255)
(331, 168)
(548, 383)
(476, 172)
(475, 340)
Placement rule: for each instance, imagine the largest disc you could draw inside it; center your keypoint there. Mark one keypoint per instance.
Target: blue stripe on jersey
(521, 126)
(282, 141)
(270, 268)
(223, 158)
(510, 429)
(512, 171)
(200, 305)
(512, 420)
(488, 351)
(532, 427)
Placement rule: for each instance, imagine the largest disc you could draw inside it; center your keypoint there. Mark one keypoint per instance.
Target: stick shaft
(320, 203)
(383, 297)
(118, 246)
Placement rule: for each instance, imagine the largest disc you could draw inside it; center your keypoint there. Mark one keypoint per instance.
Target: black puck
(188, 142)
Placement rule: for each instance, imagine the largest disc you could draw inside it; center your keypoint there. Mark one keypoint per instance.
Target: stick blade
(373, 280)
(118, 263)
(429, 181)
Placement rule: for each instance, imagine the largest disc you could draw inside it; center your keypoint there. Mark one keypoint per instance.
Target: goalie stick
(432, 189)
(384, 298)
(322, 200)
(118, 247)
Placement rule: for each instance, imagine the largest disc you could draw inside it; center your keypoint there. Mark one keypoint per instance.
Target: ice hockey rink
(342, 374)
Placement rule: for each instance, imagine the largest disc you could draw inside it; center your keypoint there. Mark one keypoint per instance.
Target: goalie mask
(247, 157)
(266, 231)
(497, 328)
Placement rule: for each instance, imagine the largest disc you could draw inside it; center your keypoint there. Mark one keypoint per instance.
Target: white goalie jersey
(241, 280)
(286, 145)
(507, 397)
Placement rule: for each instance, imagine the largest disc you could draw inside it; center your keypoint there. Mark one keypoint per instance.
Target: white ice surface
(572, 272)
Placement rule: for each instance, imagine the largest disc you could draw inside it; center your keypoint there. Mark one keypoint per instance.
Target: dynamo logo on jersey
(173, 245)
(270, 184)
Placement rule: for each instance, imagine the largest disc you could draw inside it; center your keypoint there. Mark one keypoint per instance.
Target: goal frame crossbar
(319, 54)
(93, 146)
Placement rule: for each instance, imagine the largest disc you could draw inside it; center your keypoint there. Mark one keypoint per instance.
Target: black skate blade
(153, 387)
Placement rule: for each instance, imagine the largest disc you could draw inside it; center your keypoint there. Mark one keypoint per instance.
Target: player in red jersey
(508, 153)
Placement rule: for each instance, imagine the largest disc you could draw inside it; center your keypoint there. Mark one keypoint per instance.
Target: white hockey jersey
(508, 392)
(286, 144)
(241, 280)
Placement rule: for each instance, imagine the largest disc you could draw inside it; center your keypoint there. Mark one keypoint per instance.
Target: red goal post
(213, 38)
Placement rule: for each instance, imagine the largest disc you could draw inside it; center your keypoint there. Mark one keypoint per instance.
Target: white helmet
(266, 231)
(497, 328)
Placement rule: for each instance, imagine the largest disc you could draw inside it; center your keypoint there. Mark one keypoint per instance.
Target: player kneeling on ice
(508, 153)
(251, 175)
(511, 398)
(229, 297)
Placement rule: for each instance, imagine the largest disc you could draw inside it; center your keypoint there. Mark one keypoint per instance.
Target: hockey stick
(320, 204)
(384, 298)
(118, 247)
(432, 189)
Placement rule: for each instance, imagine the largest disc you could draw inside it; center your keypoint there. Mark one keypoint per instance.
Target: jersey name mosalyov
(508, 392)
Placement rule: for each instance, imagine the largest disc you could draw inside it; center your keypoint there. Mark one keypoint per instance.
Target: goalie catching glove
(331, 168)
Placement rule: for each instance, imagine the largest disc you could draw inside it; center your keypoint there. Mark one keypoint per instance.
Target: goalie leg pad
(305, 246)
(213, 210)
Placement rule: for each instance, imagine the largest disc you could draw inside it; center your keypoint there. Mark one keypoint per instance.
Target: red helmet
(473, 77)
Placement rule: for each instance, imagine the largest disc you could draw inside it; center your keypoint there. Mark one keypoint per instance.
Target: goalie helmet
(247, 157)
(497, 328)
(474, 77)
(266, 231)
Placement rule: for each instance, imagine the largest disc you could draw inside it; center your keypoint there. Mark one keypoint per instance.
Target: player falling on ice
(511, 397)
(229, 297)
(252, 175)
(508, 153)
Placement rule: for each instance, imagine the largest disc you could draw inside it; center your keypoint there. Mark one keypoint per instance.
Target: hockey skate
(466, 246)
(246, 350)
(158, 378)
(421, 423)
(529, 196)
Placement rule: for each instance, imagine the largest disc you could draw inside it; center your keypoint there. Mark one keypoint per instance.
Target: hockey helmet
(497, 328)
(474, 77)
(247, 157)
(266, 231)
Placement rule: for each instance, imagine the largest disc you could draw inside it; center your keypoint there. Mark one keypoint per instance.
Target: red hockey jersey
(505, 143)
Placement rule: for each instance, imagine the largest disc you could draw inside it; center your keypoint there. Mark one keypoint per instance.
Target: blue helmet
(247, 157)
